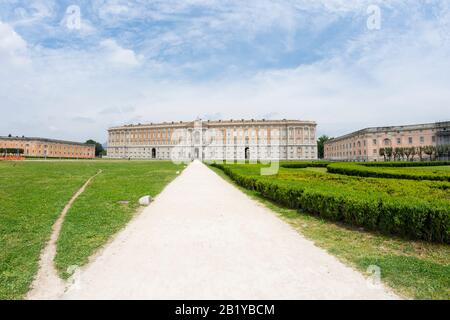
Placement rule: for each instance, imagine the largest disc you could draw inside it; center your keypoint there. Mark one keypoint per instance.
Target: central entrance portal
(153, 153)
(197, 153)
(247, 153)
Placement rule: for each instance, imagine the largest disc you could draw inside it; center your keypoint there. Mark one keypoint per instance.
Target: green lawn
(414, 269)
(33, 193)
(97, 213)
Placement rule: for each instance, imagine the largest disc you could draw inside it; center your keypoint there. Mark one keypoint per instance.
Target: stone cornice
(215, 124)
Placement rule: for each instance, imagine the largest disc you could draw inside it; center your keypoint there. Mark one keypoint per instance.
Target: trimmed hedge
(304, 164)
(406, 164)
(421, 220)
(353, 169)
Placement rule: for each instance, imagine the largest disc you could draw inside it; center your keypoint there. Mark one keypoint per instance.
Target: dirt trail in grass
(47, 284)
(202, 238)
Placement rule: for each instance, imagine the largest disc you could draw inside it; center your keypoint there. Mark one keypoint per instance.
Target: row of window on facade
(45, 152)
(214, 142)
(386, 142)
(39, 146)
(48, 151)
(299, 149)
(153, 153)
(167, 155)
(166, 133)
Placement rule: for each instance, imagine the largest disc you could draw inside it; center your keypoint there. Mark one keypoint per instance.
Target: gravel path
(202, 238)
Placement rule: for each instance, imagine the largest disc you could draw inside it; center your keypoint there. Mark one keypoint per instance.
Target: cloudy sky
(142, 61)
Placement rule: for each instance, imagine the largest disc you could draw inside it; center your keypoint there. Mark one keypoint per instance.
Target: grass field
(414, 269)
(97, 213)
(33, 193)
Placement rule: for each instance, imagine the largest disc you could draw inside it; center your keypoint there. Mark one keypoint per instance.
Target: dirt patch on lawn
(47, 284)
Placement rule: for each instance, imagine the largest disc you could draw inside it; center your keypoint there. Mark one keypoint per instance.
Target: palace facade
(215, 140)
(48, 148)
(365, 144)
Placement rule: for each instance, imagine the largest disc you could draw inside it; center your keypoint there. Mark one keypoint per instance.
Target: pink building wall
(364, 145)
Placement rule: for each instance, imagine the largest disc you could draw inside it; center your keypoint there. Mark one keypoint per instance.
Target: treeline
(409, 153)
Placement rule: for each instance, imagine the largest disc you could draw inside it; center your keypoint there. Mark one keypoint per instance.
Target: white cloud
(109, 9)
(13, 49)
(221, 22)
(35, 11)
(393, 76)
(118, 55)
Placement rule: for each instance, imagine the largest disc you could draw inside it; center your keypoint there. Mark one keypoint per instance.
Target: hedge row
(304, 164)
(406, 164)
(352, 169)
(421, 220)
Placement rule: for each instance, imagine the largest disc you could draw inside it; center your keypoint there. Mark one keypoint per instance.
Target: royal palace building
(365, 144)
(48, 148)
(215, 140)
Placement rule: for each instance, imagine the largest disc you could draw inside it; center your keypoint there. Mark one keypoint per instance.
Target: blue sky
(149, 61)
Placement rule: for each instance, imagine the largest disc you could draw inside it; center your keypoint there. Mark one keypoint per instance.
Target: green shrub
(304, 164)
(365, 170)
(419, 219)
(406, 164)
